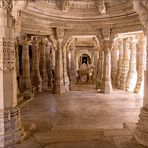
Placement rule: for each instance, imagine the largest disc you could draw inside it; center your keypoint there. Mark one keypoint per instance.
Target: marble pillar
(125, 66)
(100, 69)
(141, 131)
(17, 66)
(26, 79)
(48, 53)
(114, 63)
(59, 81)
(11, 130)
(120, 62)
(141, 60)
(42, 64)
(106, 80)
(65, 73)
(35, 73)
(130, 80)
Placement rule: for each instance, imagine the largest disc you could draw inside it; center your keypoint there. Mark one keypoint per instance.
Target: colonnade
(36, 56)
(128, 62)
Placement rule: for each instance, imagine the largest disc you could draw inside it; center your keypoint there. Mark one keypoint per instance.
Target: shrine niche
(82, 56)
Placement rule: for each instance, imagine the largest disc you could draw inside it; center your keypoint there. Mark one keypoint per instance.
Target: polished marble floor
(82, 110)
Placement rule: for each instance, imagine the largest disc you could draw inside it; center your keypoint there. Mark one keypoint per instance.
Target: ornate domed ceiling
(118, 15)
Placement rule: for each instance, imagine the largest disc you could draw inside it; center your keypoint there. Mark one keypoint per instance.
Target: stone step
(73, 135)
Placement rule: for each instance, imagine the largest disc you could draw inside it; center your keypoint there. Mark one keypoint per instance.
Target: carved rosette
(7, 54)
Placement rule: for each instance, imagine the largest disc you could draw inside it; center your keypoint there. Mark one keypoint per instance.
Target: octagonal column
(132, 66)
(120, 62)
(11, 130)
(42, 64)
(141, 55)
(141, 132)
(35, 73)
(59, 82)
(26, 79)
(126, 58)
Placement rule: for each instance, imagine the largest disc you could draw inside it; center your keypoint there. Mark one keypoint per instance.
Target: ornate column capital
(60, 34)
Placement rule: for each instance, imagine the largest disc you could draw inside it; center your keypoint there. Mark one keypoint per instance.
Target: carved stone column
(132, 65)
(141, 55)
(65, 74)
(26, 80)
(120, 61)
(11, 130)
(126, 58)
(48, 53)
(141, 132)
(42, 64)
(106, 81)
(17, 66)
(35, 73)
(100, 69)
(59, 82)
(114, 61)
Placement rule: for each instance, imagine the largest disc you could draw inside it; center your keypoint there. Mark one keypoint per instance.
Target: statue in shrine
(85, 69)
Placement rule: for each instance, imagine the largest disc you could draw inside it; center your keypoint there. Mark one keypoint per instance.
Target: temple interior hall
(73, 74)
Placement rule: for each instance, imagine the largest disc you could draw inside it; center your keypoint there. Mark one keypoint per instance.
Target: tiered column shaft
(130, 80)
(141, 60)
(66, 78)
(106, 81)
(10, 122)
(100, 69)
(35, 73)
(114, 59)
(42, 65)
(26, 81)
(126, 57)
(120, 62)
(141, 132)
(59, 82)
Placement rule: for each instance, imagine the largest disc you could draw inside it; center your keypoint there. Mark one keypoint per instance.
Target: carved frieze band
(7, 54)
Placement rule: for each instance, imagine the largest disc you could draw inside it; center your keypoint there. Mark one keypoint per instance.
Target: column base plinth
(107, 87)
(11, 130)
(141, 131)
(58, 89)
